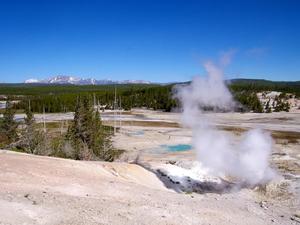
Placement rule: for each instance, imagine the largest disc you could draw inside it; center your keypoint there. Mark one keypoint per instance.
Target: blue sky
(166, 40)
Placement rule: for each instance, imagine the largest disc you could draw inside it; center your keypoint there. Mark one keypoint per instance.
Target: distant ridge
(62, 79)
(262, 82)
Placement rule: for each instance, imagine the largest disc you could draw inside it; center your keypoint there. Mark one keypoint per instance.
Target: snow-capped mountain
(61, 79)
(29, 81)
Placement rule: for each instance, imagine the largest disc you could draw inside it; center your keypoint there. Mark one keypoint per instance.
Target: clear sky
(161, 41)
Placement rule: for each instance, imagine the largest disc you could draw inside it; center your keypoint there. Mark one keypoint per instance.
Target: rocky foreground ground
(43, 190)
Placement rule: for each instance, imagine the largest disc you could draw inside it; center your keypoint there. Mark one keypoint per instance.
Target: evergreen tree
(287, 107)
(29, 119)
(87, 134)
(86, 121)
(73, 133)
(9, 125)
(81, 132)
(98, 136)
(268, 108)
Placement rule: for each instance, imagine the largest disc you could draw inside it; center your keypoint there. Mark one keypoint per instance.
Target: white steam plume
(246, 161)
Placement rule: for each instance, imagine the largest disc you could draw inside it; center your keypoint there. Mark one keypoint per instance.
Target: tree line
(159, 97)
(62, 98)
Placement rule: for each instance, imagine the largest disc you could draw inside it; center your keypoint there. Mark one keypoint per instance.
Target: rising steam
(246, 161)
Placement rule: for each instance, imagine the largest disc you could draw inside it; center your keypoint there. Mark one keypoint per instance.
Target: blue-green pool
(177, 148)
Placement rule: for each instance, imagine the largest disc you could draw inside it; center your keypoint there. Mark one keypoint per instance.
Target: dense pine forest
(62, 98)
(257, 85)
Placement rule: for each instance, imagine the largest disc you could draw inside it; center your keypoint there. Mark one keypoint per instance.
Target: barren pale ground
(43, 190)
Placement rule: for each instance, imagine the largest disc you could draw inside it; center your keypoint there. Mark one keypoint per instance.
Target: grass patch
(50, 125)
(281, 137)
(143, 123)
(235, 130)
(17, 111)
(291, 137)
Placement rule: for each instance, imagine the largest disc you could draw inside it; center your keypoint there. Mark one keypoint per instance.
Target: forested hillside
(62, 98)
(256, 85)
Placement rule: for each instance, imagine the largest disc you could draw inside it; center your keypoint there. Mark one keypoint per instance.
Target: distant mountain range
(61, 79)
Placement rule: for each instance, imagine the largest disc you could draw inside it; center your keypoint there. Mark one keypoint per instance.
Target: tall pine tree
(87, 134)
